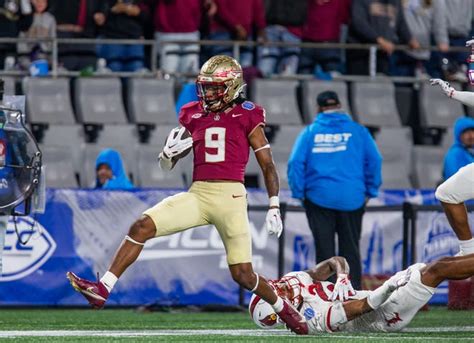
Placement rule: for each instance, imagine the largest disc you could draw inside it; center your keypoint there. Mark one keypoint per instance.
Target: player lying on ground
(460, 187)
(223, 126)
(331, 307)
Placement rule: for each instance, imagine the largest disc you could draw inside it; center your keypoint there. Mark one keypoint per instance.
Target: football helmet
(219, 82)
(263, 313)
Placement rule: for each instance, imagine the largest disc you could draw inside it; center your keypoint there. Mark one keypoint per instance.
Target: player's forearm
(325, 269)
(341, 266)
(356, 308)
(272, 181)
(467, 98)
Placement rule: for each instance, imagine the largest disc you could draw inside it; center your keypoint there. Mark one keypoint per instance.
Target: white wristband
(274, 201)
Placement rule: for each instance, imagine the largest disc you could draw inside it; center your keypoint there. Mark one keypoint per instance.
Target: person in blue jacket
(334, 168)
(461, 153)
(110, 171)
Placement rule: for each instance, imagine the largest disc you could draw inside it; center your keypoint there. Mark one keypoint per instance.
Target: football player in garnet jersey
(329, 307)
(223, 126)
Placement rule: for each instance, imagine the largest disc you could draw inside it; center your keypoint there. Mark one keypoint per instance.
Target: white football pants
(459, 187)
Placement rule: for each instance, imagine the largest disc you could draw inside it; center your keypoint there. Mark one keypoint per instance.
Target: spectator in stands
(285, 21)
(380, 22)
(458, 15)
(119, 19)
(15, 16)
(44, 26)
(179, 20)
(237, 20)
(75, 20)
(110, 171)
(323, 25)
(334, 168)
(461, 153)
(425, 18)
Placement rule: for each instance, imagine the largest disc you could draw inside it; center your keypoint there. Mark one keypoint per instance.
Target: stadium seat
(448, 138)
(71, 136)
(405, 97)
(285, 138)
(125, 134)
(59, 171)
(90, 153)
(427, 166)
(151, 101)
(396, 145)
(159, 134)
(149, 173)
(9, 85)
(99, 101)
(311, 89)
(278, 98)
(373, 103)
(48, 101)
(253, 171)
(436, 110)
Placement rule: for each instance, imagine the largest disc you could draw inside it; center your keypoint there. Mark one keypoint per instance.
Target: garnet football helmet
(219, 82)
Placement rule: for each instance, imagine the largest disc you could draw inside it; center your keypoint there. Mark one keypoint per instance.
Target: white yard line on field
(257, 333)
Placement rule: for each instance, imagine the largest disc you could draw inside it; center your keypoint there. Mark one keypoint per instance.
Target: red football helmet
(262, 313)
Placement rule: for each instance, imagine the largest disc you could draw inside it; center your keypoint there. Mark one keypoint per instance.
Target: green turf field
(120, 325)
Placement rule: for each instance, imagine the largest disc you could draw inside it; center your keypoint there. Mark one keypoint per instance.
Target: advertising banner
(81, 230)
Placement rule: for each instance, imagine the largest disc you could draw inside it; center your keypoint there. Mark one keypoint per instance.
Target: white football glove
(342, 289)
(470, 42)
(176, 145)
(445, 86)
(398, 280)
(273, 222)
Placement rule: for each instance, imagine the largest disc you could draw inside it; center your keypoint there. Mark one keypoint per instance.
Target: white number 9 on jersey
(215, 138)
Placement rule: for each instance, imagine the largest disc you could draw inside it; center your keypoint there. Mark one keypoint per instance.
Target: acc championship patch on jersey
(309, 313)
(248, 105)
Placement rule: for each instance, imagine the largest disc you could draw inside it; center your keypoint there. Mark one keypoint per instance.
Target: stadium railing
(236, 45)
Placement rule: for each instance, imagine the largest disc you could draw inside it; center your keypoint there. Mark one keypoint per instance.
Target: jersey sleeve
(185, 113)
(183, 119)
(256, 119)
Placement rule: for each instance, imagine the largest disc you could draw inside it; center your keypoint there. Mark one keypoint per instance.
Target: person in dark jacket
(118, 19)
(76, 20)
(14, 17)
(285, 21)
(334, 168)
(380, 22)
(461, 153)
(323, 25)
(237, 20)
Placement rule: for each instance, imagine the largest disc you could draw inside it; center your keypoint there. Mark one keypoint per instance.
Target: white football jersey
(312, 300)
(394, 314)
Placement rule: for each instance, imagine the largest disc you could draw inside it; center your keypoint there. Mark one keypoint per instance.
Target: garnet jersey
(221, 140)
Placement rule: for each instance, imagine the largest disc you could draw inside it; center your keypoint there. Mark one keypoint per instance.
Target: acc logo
(309, 313)
(196, 115)
(248, 105)
(22, 260)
